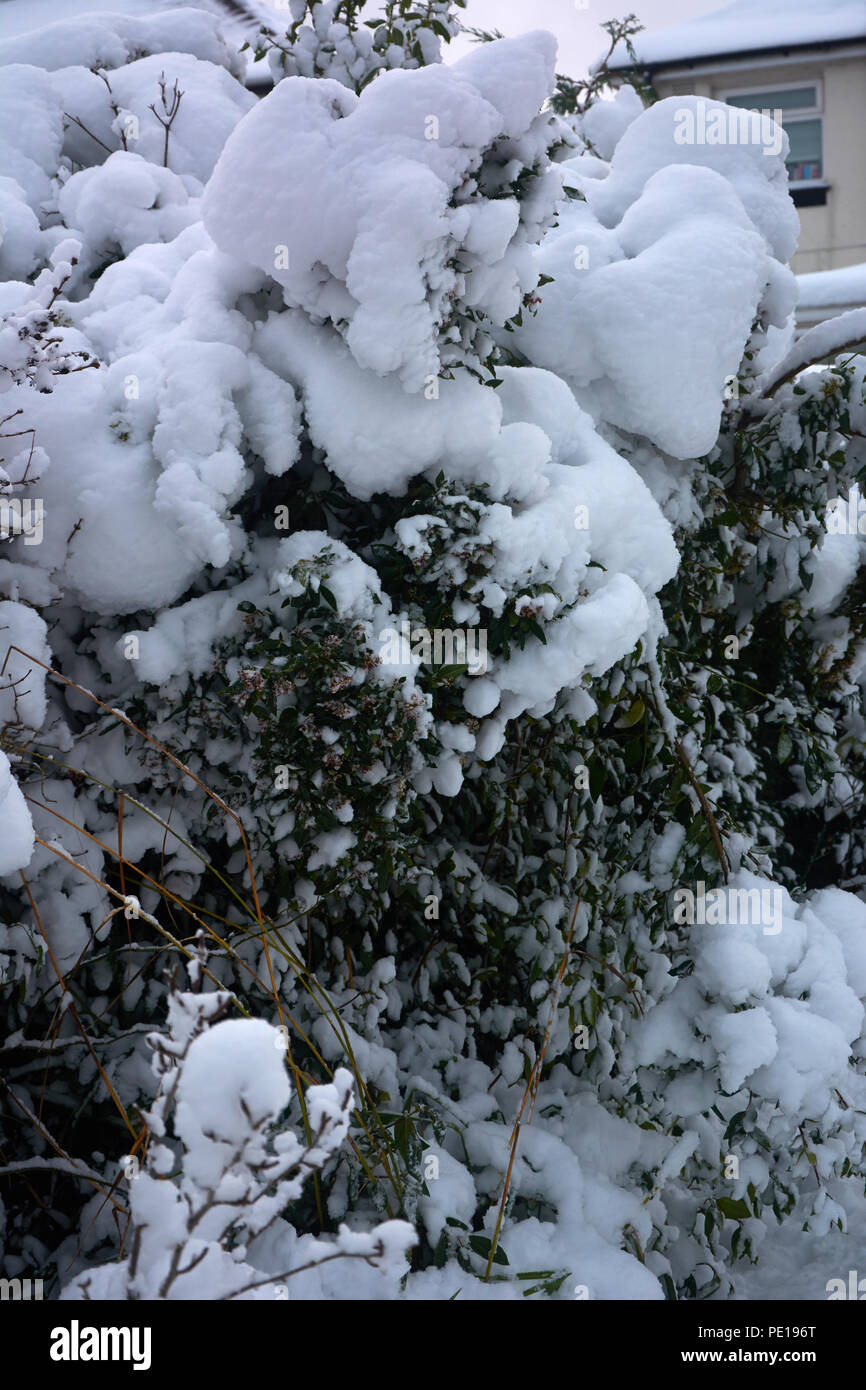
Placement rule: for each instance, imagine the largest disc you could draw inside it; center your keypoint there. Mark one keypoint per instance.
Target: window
(801, 109)
(804, 157)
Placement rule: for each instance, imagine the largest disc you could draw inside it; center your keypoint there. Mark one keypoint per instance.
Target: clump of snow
(124, 203)
(209, 103)
(776, 1008)
(23, 646)
(605, 122)
(842, 288)
(659, 274)
(387, 287)
(234, 1078)
(106, 39)
(16, 826)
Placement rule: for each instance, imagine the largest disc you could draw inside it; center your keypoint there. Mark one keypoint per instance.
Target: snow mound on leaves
(300, 186)
(209, 105)
(775, 1001)
(16, 827)
(233, 1079)
(659, 274)
(180, 395)
(106, 40)
(124, 203)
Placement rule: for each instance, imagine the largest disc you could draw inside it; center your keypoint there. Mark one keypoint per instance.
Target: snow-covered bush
(332, 38)
(220, 1172)
(437, 580)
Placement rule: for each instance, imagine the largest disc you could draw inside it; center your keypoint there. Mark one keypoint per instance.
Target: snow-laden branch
(221, 1170)
(840, 334)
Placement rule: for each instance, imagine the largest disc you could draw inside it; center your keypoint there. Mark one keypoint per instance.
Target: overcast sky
(576, 25)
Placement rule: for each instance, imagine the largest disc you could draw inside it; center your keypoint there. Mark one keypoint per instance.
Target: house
(806, 58)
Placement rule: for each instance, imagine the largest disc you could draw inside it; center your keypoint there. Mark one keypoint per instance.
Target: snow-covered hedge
(418, 585)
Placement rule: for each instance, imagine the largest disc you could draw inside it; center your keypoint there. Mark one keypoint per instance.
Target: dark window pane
(804, 159)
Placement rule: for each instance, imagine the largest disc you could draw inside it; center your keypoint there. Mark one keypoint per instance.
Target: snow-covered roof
(748, 26)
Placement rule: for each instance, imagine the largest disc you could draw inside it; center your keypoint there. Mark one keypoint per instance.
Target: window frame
(816, 82)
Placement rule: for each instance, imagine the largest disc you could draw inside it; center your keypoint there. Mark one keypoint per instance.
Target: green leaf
(785, 746)
(735, 1124)
(634, 752)
(596, 778)
(450, 673)
(736, 1209)
(685, 967)
(635, 714)
(481, 1246)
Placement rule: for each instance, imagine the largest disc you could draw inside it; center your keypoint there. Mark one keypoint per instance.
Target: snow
(743, 27)
(234, 1077)
(22, 684)
(803, 1263)
(842, 331)
(665, 224)
(107, 38)
(605, 123)
(385, 287)
(592, 637)
(835, 566)
(792, 1044)
(277, 298)
(481, 697)
(210, 105)
(331, 847)
(16, 827)
(182, 638)
(380, 436)
(33, 154)
(124, 203)
(181, 414)
(842, 288)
